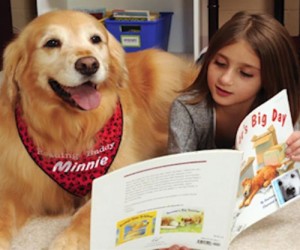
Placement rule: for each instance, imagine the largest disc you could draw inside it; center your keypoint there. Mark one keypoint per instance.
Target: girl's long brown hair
(275, 49)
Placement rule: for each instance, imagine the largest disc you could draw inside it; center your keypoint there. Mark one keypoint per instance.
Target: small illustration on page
(182, 220)
(287, 186)
(270, 163)
(135, 227)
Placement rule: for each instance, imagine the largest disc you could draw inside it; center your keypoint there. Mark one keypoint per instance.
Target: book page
(261, 136)
(185, 199)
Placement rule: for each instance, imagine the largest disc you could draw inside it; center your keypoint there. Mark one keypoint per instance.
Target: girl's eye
(220, 63)
(53, 43)
(244, 74)
(95, 39)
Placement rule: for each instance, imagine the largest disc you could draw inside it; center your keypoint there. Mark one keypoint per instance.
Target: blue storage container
(139, 35)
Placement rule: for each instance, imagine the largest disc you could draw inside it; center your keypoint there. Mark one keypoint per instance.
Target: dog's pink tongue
(85, 96)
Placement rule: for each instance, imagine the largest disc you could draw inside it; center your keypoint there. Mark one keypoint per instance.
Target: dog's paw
(70, 240)
(247, 202)
(241, 205)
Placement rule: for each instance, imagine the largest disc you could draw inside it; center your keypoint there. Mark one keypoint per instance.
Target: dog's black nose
(87, 65)
(291, 190)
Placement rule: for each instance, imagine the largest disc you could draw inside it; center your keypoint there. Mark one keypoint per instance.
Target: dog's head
(289, 185)
(63, 57)
(247, 184)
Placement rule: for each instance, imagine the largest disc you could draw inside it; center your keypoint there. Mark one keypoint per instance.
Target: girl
(249, 59)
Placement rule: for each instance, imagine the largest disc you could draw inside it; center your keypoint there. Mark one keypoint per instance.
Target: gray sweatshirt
(191, 127)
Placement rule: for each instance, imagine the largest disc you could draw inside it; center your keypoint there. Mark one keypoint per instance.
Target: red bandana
(72, 172)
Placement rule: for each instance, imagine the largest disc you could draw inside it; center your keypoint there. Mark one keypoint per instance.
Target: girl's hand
(176, 247)
(293, 146)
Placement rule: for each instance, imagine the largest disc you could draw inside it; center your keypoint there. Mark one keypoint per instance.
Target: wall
(292, 16)
(291, 13)
(228, 7)
(22, 12)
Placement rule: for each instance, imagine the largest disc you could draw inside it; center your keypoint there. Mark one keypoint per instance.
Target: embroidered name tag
(73, 172)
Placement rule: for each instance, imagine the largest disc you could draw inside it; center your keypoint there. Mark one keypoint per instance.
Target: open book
(199, 199)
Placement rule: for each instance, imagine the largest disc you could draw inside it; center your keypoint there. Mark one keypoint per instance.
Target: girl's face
(234, 76)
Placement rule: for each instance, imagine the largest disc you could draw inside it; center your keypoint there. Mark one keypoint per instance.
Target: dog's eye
(279, 183)
(292, 175)
(53, 43)
(96, 39)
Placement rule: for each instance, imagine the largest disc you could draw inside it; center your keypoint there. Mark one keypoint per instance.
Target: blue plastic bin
(139, 35)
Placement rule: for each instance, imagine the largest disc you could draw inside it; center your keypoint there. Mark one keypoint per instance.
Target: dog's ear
(118, 58)
(245, 181)
(14, 59)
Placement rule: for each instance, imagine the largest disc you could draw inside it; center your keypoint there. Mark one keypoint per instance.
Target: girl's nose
(227, 77)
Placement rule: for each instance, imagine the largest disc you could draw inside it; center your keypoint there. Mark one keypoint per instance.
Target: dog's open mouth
(84, 96)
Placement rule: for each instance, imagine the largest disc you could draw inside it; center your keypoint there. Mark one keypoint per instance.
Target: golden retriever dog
(74, 106)
(263, 178)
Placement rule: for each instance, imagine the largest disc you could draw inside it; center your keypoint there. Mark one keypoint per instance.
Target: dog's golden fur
(263, 178)
(145, 82)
